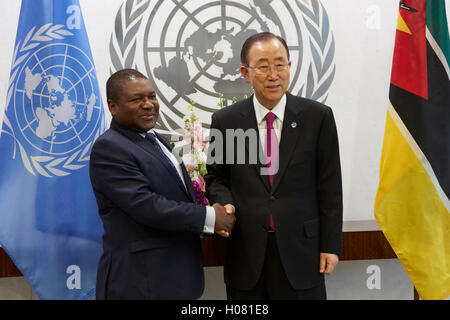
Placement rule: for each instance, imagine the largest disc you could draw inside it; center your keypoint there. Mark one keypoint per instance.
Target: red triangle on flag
(409, 67)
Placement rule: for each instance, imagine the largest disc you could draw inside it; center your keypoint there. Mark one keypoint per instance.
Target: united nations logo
(53, 93)
(191, 49)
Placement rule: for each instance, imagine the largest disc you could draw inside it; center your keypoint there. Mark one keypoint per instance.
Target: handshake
(225, 219)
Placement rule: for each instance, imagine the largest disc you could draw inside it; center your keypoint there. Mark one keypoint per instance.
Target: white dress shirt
(261, 112)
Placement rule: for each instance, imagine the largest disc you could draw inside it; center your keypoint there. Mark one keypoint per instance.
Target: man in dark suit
(146, 201)
(289, 213)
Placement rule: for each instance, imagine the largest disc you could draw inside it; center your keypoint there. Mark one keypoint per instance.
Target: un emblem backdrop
(190, 49)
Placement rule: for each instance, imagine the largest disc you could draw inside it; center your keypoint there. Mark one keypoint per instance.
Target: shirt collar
(144, 134)
(261, 111)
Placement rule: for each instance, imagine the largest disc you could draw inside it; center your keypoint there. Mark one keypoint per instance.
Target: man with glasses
(288, 205)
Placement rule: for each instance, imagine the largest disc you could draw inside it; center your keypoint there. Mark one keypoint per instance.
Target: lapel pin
(294, 124)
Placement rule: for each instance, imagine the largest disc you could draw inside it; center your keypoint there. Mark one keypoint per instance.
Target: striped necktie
(152, 138)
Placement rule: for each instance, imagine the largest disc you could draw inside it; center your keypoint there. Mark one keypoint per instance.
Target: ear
(112, 106)
(245, 74)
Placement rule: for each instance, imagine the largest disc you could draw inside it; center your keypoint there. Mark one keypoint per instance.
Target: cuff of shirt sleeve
(210, 220)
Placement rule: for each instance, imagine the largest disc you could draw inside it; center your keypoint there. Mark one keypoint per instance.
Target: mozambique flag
(412, 204)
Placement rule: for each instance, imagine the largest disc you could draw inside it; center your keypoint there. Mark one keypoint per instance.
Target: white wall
(364, 33)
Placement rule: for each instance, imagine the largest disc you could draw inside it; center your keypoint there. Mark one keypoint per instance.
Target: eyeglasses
(266, 69)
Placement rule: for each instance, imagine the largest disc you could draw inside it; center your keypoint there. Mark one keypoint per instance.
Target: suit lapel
(186, 177)
(151, 149)
(289, 136)
(248, 121)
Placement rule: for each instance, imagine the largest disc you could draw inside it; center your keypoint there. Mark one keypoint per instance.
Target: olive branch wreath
(319, 75)
(123, 42)
(47, 166)
(127, 23)
(320, 71)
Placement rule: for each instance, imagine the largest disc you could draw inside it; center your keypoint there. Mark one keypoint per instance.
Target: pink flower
(194, 156)
(198, 137)
(202, 183)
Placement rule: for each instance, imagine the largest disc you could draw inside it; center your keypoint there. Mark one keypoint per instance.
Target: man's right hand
(224, 220)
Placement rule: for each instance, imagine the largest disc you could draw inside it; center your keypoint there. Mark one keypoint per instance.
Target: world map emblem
(191, 50)
(55, 108)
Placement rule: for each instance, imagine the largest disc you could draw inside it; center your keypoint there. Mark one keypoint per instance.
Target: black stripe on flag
(429, 121)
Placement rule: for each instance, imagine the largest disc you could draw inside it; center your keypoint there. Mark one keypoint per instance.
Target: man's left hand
(327, 262)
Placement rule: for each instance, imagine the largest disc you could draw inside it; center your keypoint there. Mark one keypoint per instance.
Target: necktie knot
(270, 118)
(151, 137)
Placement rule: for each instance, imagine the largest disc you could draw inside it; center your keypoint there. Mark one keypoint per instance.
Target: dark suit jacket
(151, 225)
(305, 198)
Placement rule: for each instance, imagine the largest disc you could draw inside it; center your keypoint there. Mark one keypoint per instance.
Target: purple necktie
(271, 153)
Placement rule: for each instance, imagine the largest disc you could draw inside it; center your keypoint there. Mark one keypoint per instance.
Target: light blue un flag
(49, 224)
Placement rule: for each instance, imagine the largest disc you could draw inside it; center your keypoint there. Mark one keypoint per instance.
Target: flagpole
(416, 294)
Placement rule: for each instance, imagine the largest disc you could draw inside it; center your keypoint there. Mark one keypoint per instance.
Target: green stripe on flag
(437, 25)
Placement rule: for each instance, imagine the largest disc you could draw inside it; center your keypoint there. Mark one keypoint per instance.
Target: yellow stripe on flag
(401, 25)
(412, 214)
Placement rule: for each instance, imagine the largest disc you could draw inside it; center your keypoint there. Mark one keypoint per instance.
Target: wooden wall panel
(7, 267)
(366, 245)
(357, 245)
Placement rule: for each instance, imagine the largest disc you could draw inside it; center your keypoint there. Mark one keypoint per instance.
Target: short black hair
(258, 37)
(117, 80)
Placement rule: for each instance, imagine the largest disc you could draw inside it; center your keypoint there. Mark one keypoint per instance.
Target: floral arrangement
(195, 160)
